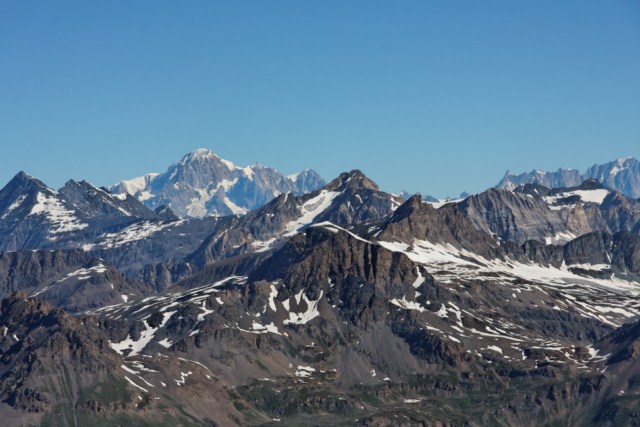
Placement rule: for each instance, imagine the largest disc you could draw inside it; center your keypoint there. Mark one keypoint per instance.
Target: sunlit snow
(310, 210)
(62, 219)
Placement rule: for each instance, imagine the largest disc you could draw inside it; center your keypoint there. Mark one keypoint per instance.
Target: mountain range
(621, 174)
(340, 305)
(203, 184)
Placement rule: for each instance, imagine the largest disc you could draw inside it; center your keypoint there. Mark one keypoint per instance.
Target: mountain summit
(203, 184)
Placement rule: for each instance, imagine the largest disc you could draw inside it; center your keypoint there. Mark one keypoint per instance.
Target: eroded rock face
(626, 252)
(447, 225)
(535, 212)
(62, 369)
(323, 256)
(512, 216)
(73, 280)
(49, 356)
(624, 343)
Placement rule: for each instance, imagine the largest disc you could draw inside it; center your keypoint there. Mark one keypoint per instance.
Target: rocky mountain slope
(70, 279)
(116, 228)
(349, 199)
(60, 370)
(391, 324)
(203, 184)
(34, 216)
(343, 306)
(621, 174)
(535, 212)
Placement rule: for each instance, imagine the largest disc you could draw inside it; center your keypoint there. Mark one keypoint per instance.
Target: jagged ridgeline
(621, 174)
(312, 303)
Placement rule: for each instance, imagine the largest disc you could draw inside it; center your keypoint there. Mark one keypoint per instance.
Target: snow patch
(494, 348)
(311, 313)
(304, 371)
(205, 311)
(587, 196)
(409, 305)
(310, 210)
(62, 219)
(138, 231)
(136, 346)
(336, 229)
(183, 378)
(166, 343)
(259, 328)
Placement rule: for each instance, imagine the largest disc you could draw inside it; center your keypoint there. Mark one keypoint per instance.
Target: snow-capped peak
(202, 184)
(622, 174)
(135, 185)
(199, 154)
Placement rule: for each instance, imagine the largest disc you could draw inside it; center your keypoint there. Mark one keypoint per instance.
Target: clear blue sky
(430, 96)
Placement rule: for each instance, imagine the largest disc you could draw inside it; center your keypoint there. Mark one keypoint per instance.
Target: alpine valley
(218, 295)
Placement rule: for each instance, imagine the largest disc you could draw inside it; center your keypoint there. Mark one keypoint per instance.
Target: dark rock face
(73, 280)
(49, 357)
(535, 212)
(625, 253)
(353, 197)
(92, 202)
(322, 256)
(512, 216)
(593, 248)
(539, 253)
(166, 213)
(448, 225)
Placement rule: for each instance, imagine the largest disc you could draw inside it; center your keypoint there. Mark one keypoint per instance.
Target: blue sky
(430, 96)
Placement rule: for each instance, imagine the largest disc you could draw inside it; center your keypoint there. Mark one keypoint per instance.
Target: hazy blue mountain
(621, 174)
(203, 184)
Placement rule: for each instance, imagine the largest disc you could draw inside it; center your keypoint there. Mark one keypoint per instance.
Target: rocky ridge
(622, 175)
(535, 212)
(345, 306)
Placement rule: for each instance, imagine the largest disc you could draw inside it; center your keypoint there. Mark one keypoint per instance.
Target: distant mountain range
(203, 184)
(622, 175)
(343, 305)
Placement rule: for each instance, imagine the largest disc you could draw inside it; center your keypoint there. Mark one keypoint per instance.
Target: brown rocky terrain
(345, 306)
